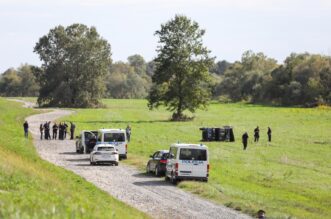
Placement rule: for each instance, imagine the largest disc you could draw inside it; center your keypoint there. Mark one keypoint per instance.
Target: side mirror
(171, 156)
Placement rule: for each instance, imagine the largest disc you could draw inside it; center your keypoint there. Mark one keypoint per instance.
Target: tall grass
(33, 188)
(288, 178)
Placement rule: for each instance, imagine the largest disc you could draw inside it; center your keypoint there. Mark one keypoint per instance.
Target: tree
(75, 62)
(181, 80)
(138, 63)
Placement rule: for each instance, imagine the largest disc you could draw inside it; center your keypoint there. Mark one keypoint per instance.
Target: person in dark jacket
(55, 128)
(245, 140)
(269, 134)
(256, 134)
(65, 130)
(128, 132)
(72, 130)
(41, 128)
(45, 130)
(60, 131)
(26, 129)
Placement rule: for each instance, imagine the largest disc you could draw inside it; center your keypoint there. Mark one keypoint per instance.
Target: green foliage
(288, 178)
(303, 79)
(128, 80)
(75, 62)
(181, 79)
(19, 82)
(33, 188)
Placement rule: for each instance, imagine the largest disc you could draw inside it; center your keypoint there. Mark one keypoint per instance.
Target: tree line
(77, 70)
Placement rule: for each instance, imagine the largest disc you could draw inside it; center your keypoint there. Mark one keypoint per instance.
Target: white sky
(275, 27)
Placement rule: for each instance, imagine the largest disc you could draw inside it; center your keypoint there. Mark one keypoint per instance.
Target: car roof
(185, 145)
(163, 151)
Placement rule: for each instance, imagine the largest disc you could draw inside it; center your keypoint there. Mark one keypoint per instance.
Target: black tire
(157, 173)
(173, 179)
(116, 164)
(92, 163)
(166, 178)
(125, 156)
(148, 169)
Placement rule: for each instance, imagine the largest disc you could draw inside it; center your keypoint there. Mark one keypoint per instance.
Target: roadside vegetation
(288, 178)
(33, 188)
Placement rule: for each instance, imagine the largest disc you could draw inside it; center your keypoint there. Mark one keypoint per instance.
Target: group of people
(256, 136)
(58, 130)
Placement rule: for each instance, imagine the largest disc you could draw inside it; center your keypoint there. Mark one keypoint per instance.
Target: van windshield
(111, 137)
(192, 154)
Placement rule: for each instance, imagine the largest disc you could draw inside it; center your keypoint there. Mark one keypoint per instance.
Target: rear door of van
(193, 162)
(118, 139)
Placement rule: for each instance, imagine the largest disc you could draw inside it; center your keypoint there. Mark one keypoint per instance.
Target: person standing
(72, 130)
(128, 132)
(26, 129)
(256, 134)
(245, 140)
(269, 134)
(65, 130)
(60, 131)
(45, 131)
(55, 128)
(41, 128)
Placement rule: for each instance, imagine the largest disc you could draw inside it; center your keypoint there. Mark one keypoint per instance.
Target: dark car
(157, 163)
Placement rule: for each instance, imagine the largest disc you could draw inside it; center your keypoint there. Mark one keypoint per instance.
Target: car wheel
(157, 171)
(116, 164)
(147, 169)
(92, 163)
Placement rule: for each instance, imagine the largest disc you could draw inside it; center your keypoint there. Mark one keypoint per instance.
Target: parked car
(86, 141)
(115, 137)
(187, 161)
(157, 163)
(104, 153)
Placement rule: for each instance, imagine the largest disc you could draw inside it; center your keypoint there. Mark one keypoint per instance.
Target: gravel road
(149, 194)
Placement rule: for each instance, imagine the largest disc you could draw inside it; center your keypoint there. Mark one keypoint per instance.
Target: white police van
(115, 137)
(187, 161)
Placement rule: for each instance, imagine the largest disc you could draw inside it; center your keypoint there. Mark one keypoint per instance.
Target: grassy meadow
(288, 178)
(33, 188)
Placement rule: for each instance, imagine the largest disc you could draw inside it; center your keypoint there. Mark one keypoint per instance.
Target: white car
(104, 153)
(187, 161)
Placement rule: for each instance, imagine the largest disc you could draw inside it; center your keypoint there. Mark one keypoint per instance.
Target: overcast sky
(275, 27)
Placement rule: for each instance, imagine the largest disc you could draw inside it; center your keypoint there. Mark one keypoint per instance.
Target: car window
(155, 155)
(164, 156)
(106, 149)
(88, 135)
(117, 137)
(192, 154)
(159, 156)
(99, 137)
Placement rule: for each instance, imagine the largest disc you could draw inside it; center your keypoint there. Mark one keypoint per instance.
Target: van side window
(192, 154)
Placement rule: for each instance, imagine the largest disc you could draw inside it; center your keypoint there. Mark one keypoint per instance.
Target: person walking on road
(245, 140)
(256, 134)
(41, 128)
(26, 129)
(72, 130)
(269, 134)
(65, 130)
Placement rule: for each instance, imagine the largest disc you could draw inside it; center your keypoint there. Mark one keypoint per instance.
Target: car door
(200, 162)
(154, 161)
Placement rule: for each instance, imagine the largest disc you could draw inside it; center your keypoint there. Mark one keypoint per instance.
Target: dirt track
(149, 194)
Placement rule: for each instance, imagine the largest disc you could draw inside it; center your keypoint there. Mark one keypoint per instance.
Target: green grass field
(33, 188)
(289, 178)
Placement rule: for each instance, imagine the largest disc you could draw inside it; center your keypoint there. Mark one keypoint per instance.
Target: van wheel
(173, 179)
(116, 164)
(92, 163)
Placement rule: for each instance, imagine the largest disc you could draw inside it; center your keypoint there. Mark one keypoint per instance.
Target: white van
(115, 137)
(187, 161)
